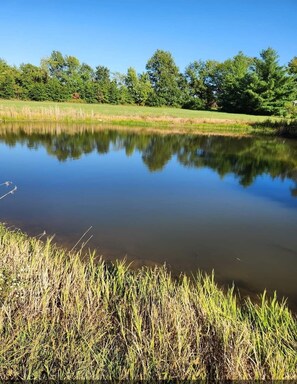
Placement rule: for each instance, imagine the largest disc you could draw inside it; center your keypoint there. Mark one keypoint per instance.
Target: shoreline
(139, 118)
(64, 318)
(73, 127)
(143, 126)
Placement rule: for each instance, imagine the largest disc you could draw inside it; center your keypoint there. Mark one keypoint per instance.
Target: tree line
(242, 84)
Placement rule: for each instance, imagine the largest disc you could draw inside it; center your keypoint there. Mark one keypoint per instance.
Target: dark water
(194, 202)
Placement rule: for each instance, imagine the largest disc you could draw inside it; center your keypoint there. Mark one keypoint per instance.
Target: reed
(62, 317)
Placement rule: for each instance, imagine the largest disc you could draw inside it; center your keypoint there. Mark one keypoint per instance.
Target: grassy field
(108, 111)
(62, 318)
(139, 118)
(145, 118)
(119, 115)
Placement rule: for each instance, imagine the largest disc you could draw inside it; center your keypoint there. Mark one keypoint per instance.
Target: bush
(194, 103)
(290, 110)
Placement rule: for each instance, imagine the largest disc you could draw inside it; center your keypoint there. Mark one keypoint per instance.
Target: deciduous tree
(164, 77)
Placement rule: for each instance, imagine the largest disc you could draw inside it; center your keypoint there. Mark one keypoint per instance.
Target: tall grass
(64, 318)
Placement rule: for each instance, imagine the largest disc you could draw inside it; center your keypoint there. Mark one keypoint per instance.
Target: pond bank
(62, 318)
(162, 125)
(171, 120)
(52, 127)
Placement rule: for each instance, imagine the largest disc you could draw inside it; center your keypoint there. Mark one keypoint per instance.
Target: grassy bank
(35, 110)
(145, 118)
(62, 318)
(118, 115)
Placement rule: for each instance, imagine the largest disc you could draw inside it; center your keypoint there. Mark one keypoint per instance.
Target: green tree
(270, 86)
(164, 76)
(118, 92)
(201, 84)
(291, 107)
(195, 87)
(72, 65)
(8, 78)
(233, 79)
(33, 81)
(67, 70)
(87, 86)
(145, 88)
(139, 86)
(292, 66)
(103, 84)
(86, 73)
(56, 91)
(55, 65)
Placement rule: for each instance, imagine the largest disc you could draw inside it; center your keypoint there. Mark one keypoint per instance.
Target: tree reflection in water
(244, 157)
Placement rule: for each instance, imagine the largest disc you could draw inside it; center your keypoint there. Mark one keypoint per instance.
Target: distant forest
(242, 84)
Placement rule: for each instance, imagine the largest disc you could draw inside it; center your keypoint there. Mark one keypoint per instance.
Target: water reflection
(195, 202)
(245, 157)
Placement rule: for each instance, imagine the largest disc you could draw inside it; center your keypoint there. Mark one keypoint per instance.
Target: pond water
(195, 202)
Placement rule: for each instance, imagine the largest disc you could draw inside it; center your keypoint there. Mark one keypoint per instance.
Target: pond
(193, 202)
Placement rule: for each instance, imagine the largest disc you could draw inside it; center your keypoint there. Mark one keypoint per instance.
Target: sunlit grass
(64, 318)
(173, 120)
(49, 110)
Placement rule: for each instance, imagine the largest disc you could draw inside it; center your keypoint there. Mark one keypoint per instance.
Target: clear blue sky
(123, 33)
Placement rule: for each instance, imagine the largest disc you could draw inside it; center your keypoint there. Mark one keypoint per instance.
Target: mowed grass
(64, 318)
(29, 109)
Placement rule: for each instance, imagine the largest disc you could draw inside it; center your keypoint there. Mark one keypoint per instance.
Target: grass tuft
(63, 318)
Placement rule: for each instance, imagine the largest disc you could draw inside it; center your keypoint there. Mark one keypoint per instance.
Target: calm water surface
(194, 202)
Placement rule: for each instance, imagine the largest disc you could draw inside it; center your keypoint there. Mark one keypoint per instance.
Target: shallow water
(194, 202)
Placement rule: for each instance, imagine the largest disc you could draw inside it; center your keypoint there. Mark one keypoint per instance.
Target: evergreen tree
(292, 67)
(269, 86)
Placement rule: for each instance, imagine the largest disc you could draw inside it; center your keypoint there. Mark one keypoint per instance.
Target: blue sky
(123, 33)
